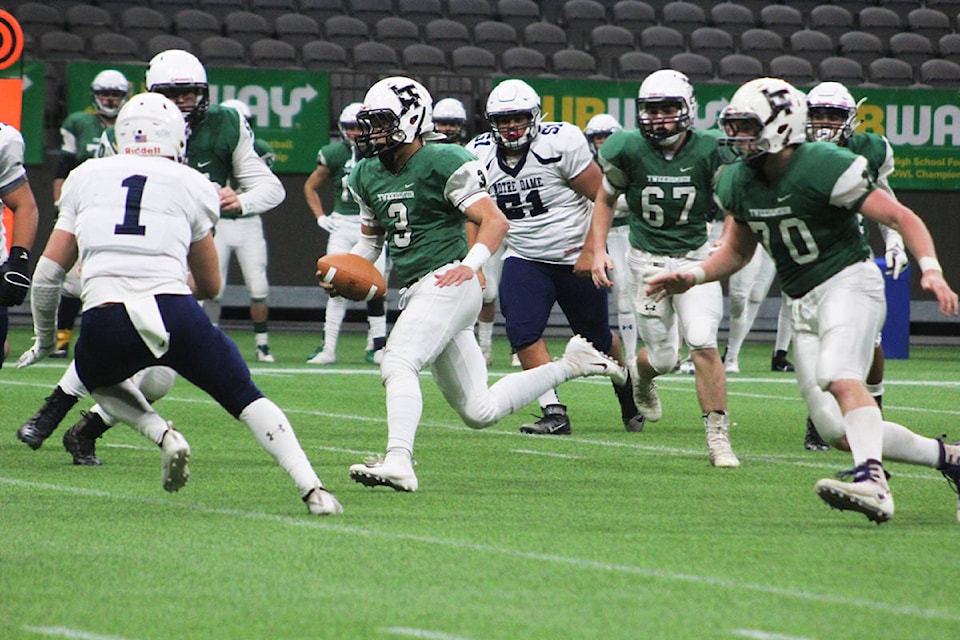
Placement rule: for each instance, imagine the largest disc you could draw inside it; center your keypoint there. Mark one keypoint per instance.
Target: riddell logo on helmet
(143, 151)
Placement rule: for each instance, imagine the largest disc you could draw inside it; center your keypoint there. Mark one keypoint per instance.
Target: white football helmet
(450, 119)
(110, 82)
(150, 124)
(348, 118)
(831, 99)
(765, 115)
(396, 110)
(240, 107)
(177, 70)
(665, 88)
(511, 98)
(601, 125)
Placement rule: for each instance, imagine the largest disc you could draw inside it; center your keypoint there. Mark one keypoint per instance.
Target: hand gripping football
(353, 277)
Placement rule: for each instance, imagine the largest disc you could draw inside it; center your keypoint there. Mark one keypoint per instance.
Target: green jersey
(81, 133)
(340, 159)
(670, 201)
(420, 208)
(807, 220)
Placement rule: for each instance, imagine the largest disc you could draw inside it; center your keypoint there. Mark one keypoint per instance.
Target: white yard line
(66, 632)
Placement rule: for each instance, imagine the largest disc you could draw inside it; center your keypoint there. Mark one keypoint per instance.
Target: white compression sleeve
(45, 298)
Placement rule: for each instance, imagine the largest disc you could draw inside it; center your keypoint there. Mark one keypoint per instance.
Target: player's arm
(320, 176)
(258, 189)
(15, 271)
(883, 209)
(594, 260)
(204, 268)
(492, 227)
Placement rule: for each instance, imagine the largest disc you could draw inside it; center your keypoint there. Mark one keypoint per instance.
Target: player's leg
(492, 271)
(377, 318)
(67, 312)
(618, 243)
(740, 285)
(55, 407)
(252, 256)
(344, 236)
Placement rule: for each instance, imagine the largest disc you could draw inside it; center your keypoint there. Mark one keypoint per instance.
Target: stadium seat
(545, 37)
(220, 51)
(903, 7)
(446, 35)
(881, 22)
(606, 43)
(940, 74)
(219, 9)
(142, 23)
(322, 55)
(832, 20)
(87, 21)
(346, 31)
(711, 42)
(518, 13)
(473, 61)
(637, 65)
(685, 17)
(37, 19)
(270, 10)
(165, 41)
(171, 8)
(854, 6)
(296, 28)
(396, 32)
(732, 17)
(246, 27)
(634, 15)
(573, 63)
(812, 45)
(495, 37)
(523, 61)
(697, 67)
(195, 25)
(114, 47)
(860, 46)
(579, 17)
(929, 22)
(949, 47)
(912, 48)
(419, 12)
(370, 11)
(781, 19)
(762, 44)
(469, 13)
(738, 68)
(60, 45)
(375, 57)
(270, 53)
(890, 72)
(320, 10)
(662, 42)
(843, 70)
(795, 70)
(424, 59)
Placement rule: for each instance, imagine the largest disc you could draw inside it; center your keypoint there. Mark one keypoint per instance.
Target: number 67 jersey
(135, 218)
(548, 219)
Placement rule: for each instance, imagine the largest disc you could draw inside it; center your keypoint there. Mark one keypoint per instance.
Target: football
(353, 277)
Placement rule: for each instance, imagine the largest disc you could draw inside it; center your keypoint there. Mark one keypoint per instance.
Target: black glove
(14, 277)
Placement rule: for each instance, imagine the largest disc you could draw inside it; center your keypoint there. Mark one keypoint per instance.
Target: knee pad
(738, 304)
(157, 382)
(663, 358)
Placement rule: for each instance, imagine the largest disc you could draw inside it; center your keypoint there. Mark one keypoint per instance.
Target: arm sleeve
(258, 188)
(466, 185)
(853, 186)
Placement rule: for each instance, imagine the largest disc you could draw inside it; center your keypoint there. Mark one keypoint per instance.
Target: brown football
(353, 277)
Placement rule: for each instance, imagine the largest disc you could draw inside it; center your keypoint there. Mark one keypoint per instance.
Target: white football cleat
(717, 426)
(324, 357)
(586, 360)
(686, 367)
(487, 351)
(263, 354)
(176, 455)
(321, 502)
(645, 394)
(731, 365)
(515, 361)
(390, 471)
(869, 492)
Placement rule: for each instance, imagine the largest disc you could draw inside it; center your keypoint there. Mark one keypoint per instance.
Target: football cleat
(686, 367)
(176, 455)
(321, 502)
(324, 357)
(868, 494)
(373, 356)
(395, 472)
(80, 440)
(515, 360)
(263, 354)
(633, 420)
(812, 440)
(780, 363)
(38, 428)
(61, 353)
(949, 466)
(731, 364)
(487, 351)
(555, 422)
(717, 426)
(585, 360)
(645, 394)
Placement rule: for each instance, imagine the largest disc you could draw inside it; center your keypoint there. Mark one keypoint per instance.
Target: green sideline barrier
(31, 122)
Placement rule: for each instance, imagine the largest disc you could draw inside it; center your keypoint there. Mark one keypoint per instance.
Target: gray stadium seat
(903, 7)
(164, 42)
(912, 48)
(606, 43)
(270, 10)
(419, 12)
(60, 45)
(711, 42)
(320, 10)
(843, 70)
(890, 72)
(518, 13)
(949, 47)
(424, 59)
(87, 21)
(346, 31)
(171, 8)
(370, 11)
(685, 17)
(795, 70)
(270, 53)
(142, 23)
(495, 37)
(37, 19)
(114, 47)
(940, 74)
(762, 44)
(662, 42)
(637, 65)
(375, 57)
(573, 63)
(545, 37)
(221, 8)
(246, 27)
(396, 32)
(446, 35)
(219, 51)
(881, 22)
(634, 15)
(579, 17)
(860, 46)
(812, 45)
(323, 55)
(523, 61)
(732, 17)
(781, 19)
(929, 22)
(473, 61)
(697, 67)
(195, 25)
(832, 20)
(469, 13)
(296, 28)
(738, 68)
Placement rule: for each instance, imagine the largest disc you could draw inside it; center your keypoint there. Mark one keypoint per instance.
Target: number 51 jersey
(548, 219)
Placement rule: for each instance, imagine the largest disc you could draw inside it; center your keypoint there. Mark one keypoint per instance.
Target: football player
(832, 117)
(417, 197)
(543, 177)
(666, 169)
(141, 222)
(450, 119)
(335, 161)
(801, 201)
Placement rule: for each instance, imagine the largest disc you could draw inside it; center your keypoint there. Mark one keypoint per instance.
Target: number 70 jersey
(134, 219)
(548, 219)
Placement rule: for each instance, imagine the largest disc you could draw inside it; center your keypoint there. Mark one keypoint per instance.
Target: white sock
(903, 445)
(336, 310)
(70, 382)
(378, 327)
(262, 339)
(628, 333)
(516, 390)
(485, 333)
(784, 329)
(125, 403)
(548, 397)
(275, 434)
(865, 434)
(404, 409)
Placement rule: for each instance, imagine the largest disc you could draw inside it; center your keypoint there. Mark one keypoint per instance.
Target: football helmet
(106, 85)
(150, 124)
(348, 119)
(240, 107)
(175, 70)
(831, 100)
(601, 125)
(665, 88)
(450, 119)
(396, 110)
(512, 98)
(765, 115)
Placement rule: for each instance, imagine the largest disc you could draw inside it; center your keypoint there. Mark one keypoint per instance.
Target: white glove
(896, 258)
(327, 223)
(35, 354)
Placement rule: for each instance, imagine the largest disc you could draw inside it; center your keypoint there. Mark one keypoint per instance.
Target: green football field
(602, 534)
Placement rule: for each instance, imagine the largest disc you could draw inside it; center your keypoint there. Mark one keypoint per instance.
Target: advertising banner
(33, 83)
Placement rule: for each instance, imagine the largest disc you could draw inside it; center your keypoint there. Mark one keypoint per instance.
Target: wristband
(929, 264)
(19, 254)
(477, 256)
(699, 275)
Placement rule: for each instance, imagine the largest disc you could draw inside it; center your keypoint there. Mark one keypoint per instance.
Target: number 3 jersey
(807, 219)
(134, 219)
(548, 219)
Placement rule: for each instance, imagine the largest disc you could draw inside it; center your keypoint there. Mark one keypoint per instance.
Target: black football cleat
(80, 440)
(38, 428)
(555, 422)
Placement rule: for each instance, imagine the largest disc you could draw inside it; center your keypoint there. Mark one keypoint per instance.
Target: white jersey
(548, 219)
(134, 219)
(12, 173)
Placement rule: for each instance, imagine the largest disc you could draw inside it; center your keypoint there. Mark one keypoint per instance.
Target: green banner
(31, 121)
(290, 108)
(923, 125)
